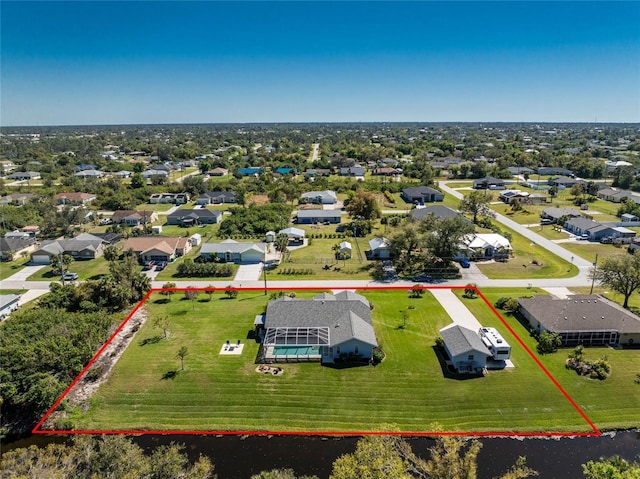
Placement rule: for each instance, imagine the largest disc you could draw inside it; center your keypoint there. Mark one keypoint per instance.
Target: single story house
(486, 246)
(386, 171)
(536, 198)
(90, 247)
(520, 170)
(231, 251)
(438, 212)
(107, 238)
(508, 196)
(326, 197)
(155, 172)
(465, 349)
(314, 172)
(589, 319)
(325, 328)
(8, 304)
(628, 217)
(134, 217)
(488, 183)
(218, 172)
(421, 195)
(189, 217)
(564, 182)
(216, 198)
(16, 199)
(74, 198)
(24, 176)
(123, 174)
(555, 214)
(158, 248)
(283, 170)
(553, 170)
(14, 247)
(318, 216)
(356, 171)
(89, 174)
(595, 230)
(379, 248)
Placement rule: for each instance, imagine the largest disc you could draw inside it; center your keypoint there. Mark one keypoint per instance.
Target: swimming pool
(296, 351)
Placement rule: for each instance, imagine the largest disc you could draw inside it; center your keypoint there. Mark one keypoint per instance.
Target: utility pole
(264, 268)
(595, 269)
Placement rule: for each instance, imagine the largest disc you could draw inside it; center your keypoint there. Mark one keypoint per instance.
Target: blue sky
(199, 62)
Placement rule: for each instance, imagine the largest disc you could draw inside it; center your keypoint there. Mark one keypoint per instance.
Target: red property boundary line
(594, 430)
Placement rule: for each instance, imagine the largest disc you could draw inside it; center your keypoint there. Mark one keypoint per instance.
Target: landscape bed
(148, 392)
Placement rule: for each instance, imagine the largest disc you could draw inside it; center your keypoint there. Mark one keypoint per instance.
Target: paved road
(316, 151)
(536, 240)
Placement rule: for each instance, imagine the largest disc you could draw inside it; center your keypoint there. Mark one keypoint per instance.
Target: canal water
(239, 457)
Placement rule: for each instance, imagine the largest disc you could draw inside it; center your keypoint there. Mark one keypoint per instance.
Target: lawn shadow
(252, 297)
(162, 301)
(346, 364)
(169, 375)
(252, 336)
(447, 371)
(152, 340)
(96, 276)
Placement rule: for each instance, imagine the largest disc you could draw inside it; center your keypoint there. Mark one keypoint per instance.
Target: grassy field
(154, 207)
(147, 389)
(525, 252)
(594, 397)
(9, 268)
(87, 269)
(588, 250)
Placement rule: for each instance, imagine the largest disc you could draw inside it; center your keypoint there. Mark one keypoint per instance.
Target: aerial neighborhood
(369, 249)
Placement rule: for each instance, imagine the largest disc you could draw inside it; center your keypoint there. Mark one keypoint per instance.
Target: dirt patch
(258, 200)
(101, 369)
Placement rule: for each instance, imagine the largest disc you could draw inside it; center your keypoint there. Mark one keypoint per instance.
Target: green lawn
(155, 206)
(520, 266)
(596, 398)
(588, 250)
(87, 269)
(9, 268)
(147, 389)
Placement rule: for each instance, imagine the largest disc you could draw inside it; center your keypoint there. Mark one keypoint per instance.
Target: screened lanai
(295, 343)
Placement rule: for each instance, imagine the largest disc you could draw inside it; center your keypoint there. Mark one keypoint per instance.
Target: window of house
(338, 350)
(470, 357)
(356, 350)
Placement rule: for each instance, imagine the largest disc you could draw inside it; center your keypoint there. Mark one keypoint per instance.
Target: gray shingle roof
(438, 211)
(346, 318)
(589, 312)
(231, 246)
(195, 213)
(318, 213)
(460, 340)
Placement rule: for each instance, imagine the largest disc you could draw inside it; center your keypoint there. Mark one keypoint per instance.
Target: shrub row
(200, 270)
(295, 271)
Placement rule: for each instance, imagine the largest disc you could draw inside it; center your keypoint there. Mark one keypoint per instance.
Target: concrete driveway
(25, 272)
(248, 272)
(460, 315)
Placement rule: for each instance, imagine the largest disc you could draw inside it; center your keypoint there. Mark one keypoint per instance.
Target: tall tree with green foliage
(476, 204)
(620, 272)
(363, 205)
(611, 468)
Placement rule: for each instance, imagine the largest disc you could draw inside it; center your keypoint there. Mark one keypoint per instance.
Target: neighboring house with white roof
(8, 304)
(325, 328)
(326, 197)
(231, 251)
(486, 246)
(379, 248)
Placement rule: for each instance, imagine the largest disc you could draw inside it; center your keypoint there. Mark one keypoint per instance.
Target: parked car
(464, 262)
(161, 265)
(422, 278)
(546, 221)
(105, 221)
(583, 237)
(70, 276)
(148, 265)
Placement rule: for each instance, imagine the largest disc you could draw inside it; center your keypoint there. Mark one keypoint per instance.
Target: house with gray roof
(8, 304)
(24, 175)
(231, 251)
(596, 231)
(488, 183)
(216, 198)
(326, 197)
(12, 247)
(421, 195)
(90, 247)
(588, 319)
(467, 353)
(325, 328)
(190, 217)
(438, 212)
(355, 171)
(555, 214)
(16, 199)
(307, 217)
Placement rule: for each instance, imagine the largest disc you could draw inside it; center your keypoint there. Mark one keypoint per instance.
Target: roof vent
(565, 318)
(584, 317)
(602, 317)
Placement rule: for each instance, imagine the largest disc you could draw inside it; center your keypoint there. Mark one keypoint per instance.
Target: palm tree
(182, 352)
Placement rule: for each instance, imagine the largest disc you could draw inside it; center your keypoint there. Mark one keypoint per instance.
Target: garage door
(40, 259)
(252, 257)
